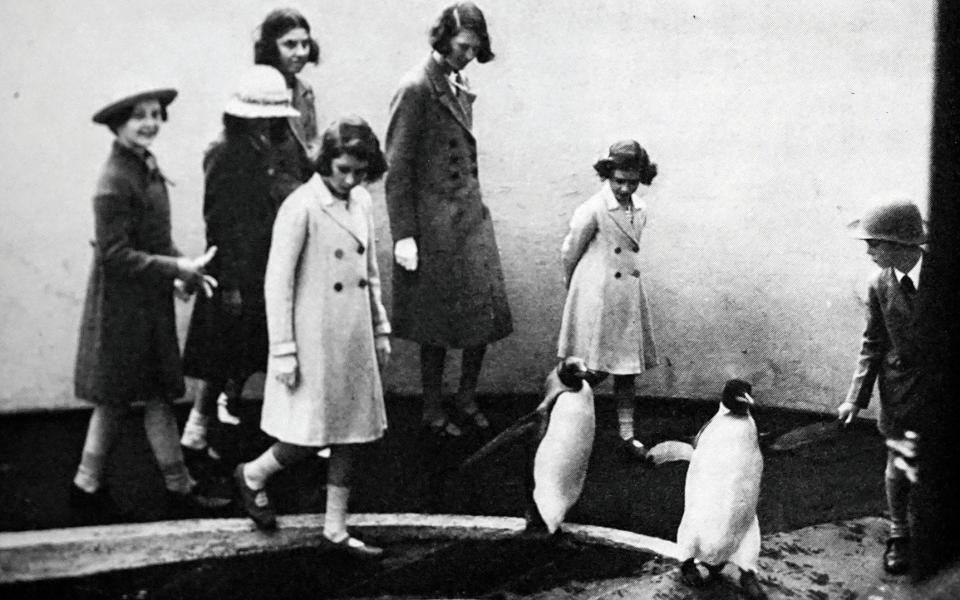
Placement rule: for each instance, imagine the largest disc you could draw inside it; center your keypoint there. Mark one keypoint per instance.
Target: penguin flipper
(669, 451)
(523, 427)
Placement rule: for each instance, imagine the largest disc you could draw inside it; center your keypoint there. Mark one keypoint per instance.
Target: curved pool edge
(27, 556)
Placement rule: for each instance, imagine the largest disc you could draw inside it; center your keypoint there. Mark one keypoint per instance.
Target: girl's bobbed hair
(453, 19)
(627, 155)
(351, 135)
(276, 25)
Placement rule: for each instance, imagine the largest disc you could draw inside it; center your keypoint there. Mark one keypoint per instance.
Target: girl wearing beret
(329, 333)
(128, 347)
(606, 320)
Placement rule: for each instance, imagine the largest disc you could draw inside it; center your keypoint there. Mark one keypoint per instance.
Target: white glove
(405, 253)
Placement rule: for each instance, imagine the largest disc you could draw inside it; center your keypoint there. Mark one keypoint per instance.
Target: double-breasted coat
(323, 304)
(246, 180)
(128, 335)
(890, 355)
(456, 297)
(606, 318)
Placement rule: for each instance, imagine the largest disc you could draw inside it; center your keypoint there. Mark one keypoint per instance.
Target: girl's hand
(846, 412)
(287, 370)
(382, 346)
(405, 253)
(191, 271)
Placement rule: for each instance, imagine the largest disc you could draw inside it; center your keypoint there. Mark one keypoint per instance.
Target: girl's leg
(195, 431)
(471, 363)
(432, 359)
(102, 432)
(623, 392)
(343, 462)
(251, 480)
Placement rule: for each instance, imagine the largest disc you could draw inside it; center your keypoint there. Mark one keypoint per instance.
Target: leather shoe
(197, 500)
(353, 547)
(750, 586)
(255, 503)
(98, 506)
(632, 449)
(896, 560)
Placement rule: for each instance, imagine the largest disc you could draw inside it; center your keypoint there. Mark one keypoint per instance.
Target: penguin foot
(691, 575)
(750, 586)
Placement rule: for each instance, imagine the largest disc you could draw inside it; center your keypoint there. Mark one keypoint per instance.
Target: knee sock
(470, 365)
(161, 428)
(431, 378)
(623, 392)
(259, 470)
(102, 432)
(898, 500)
(335, 517)
(195, 431)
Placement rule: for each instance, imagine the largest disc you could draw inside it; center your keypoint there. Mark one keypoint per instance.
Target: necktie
(909, 290)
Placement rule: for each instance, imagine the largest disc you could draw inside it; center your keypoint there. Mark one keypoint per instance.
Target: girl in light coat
(328, 330)
(606, 320)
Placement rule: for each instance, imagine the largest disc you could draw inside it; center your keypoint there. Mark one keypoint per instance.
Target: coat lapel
(345, 219)
(441, 87)
(619, 217)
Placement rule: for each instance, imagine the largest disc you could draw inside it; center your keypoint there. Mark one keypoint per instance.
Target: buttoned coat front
(606, 318)
(322, 292)
(890, 355)
(456, 297)
(128, 334)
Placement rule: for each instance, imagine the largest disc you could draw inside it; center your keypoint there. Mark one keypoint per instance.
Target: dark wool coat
(246, 180)
(128, 336)
(890, 355)
(456, 297)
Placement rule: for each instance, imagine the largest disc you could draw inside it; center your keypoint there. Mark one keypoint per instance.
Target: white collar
(914, 273)
(636, 200)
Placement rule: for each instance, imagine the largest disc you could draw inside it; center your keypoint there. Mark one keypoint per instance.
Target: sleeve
(381, 325)
(224, 187)
(873, 347)
(116, 212)
(583, 228)
(403, 136)
(279, 286)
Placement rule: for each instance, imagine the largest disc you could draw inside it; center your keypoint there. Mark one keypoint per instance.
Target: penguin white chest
(722, 488)
(560, 464)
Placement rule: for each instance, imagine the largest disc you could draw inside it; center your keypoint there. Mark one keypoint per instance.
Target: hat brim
(857, 231)
(247, 110)
(164, 95)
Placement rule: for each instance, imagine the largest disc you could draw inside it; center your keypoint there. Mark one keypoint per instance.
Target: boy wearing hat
(890, 350)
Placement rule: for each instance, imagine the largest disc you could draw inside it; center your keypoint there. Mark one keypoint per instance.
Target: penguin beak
(748, 399)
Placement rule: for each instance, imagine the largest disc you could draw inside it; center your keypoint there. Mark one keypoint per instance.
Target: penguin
(719, 523)
(559, 435)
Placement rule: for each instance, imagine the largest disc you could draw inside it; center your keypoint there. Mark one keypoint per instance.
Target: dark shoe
(633, 450)
(353, 547)
(477, 419)
(255, 503)
(750, 586)
(896, 560)
(197, 500)
(204, 462)
(442, 429)
(98, 506)
(691, 575)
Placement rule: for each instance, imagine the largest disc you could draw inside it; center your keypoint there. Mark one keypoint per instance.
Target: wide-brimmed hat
(893, 220)
(262, 93)
(125, 100)
(626, 155)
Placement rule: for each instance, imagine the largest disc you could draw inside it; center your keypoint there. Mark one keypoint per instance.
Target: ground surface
(820, 483)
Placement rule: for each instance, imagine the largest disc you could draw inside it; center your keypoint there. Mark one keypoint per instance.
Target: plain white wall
(772, 124)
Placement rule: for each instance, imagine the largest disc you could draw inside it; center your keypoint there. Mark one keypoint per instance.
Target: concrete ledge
(81, 551)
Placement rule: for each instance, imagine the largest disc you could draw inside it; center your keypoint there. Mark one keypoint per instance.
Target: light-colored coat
(719, 521)
(322, 290)
(606, 319)
(456, 297)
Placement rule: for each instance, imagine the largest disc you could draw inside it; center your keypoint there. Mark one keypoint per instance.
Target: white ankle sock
(335, 518)
(223, 411)
(259, 470)
(625, 421)
(195, 431)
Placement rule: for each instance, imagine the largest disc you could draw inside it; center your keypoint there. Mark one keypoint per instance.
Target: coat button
(636, 248)
(617, 274)
(271, 171)
(360, 249)
(636, 273)
(454, 174)
(338, 253)
(617, 250)
(475, 172)
(453, 143)
(362, 283)
(337, 286)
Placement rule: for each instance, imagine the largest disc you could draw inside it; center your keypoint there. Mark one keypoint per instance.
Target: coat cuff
(283, 348)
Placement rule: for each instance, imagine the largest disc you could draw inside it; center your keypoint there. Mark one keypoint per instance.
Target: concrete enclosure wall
(771, 123)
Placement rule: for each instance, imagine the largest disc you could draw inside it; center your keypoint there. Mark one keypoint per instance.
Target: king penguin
(719, 523)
